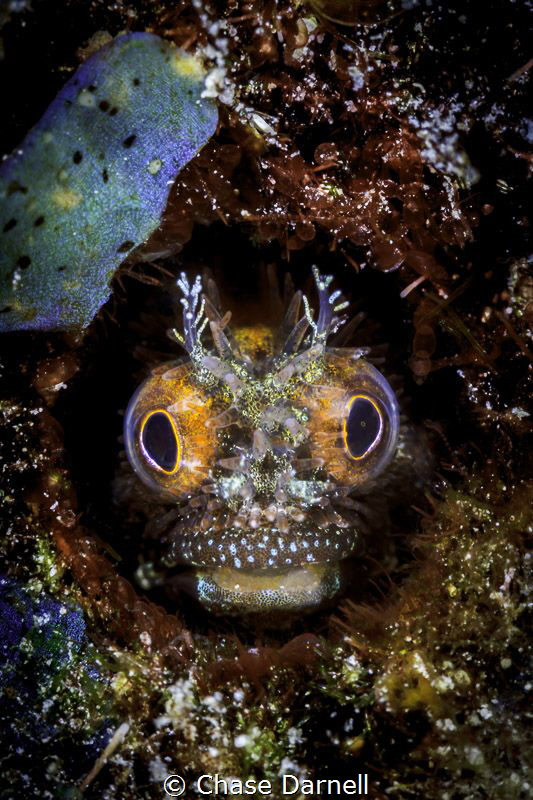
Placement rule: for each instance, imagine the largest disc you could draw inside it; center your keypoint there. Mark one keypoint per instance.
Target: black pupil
(159, 441)
(362, 427)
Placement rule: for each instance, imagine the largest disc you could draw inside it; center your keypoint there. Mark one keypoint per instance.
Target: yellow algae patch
(95, 43)
(86, 98)
(20, 308)
(118, 91)
(66, 199)
(354, 746)
(186, 65)
(154, 166)
(412, 683)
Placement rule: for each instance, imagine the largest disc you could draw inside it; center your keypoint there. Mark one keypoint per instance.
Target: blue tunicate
(45, 632)
(48, 668)
(91, 180)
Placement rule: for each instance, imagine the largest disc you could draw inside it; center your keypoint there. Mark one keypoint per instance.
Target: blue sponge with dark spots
(91, 180)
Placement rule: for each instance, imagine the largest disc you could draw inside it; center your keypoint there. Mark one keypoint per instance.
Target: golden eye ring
(371, 418)
(167, 439)
(151, 426)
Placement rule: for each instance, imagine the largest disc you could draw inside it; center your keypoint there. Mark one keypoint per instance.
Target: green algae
(456, 651)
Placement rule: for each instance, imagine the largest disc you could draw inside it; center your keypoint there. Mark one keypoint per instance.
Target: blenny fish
(263, 443)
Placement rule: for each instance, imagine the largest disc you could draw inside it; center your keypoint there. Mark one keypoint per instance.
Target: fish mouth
(262, 549)
(264, 570)
(226, 590)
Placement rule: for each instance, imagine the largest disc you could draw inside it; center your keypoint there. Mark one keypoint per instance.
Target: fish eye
(354, 420)
(168, 440)
(160, 442)
(362, 426)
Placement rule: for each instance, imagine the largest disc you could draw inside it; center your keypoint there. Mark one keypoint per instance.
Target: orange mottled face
(170, 441)
(353, 424)
(261, 440)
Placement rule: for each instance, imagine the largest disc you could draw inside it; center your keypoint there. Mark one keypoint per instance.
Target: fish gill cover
(91, 180)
